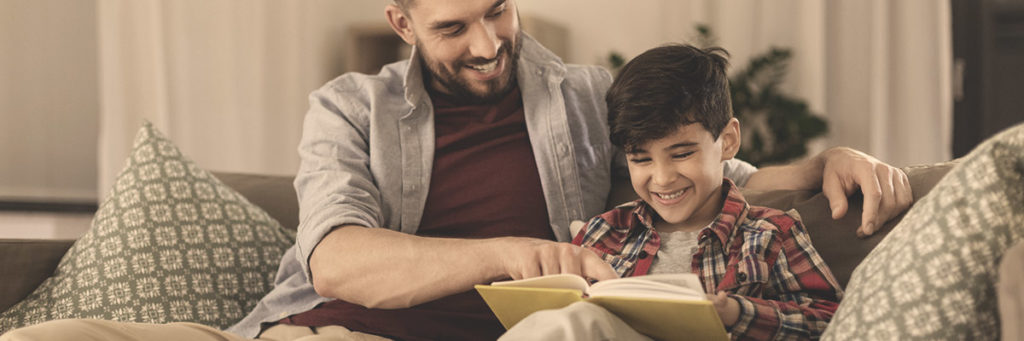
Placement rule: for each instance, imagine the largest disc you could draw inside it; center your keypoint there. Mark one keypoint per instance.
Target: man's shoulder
(359, 96)
(390, 79)
(588, 75)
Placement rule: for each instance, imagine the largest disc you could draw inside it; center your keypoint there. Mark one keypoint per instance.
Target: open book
(664, 306)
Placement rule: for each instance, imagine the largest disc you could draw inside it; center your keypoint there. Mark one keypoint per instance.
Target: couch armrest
(26, 264)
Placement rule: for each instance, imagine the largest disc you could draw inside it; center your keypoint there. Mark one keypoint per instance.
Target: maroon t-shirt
(484, 184)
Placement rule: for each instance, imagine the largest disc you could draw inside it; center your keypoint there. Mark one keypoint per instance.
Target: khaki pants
(577, 321)
(117, 331)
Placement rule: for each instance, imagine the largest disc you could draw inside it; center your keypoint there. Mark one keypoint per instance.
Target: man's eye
(497, 13)
(452, 31)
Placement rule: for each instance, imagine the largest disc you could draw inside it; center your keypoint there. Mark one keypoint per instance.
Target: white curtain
(879, 71)
(226, 80)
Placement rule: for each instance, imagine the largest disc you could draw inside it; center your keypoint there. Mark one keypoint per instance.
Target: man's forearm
(800, 175)
(380, 268)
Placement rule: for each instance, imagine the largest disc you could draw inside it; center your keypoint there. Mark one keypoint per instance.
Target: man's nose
(484, 43)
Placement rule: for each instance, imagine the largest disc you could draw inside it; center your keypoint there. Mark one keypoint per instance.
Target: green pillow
(170, 243)
(933, 277)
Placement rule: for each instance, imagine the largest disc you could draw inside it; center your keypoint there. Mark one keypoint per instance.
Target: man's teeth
(485, 68)
(671, 196)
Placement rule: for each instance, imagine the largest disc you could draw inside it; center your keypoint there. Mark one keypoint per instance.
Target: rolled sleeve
(334, 183)
(747, 318)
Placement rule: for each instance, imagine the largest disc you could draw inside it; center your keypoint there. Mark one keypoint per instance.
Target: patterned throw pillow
(171, 243)
(933, 277)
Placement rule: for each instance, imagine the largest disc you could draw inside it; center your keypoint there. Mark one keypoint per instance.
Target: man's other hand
(886, 189)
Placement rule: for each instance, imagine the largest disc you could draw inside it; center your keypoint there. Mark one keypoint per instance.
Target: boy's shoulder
(617, 221)
(623, 213)
(771, 219)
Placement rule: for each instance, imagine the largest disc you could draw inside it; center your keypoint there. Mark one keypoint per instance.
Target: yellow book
(663, 306)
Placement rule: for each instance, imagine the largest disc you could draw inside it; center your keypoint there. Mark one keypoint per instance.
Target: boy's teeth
(671, 196)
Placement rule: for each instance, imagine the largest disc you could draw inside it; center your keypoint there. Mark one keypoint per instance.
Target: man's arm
(380, 268)
(839, 172)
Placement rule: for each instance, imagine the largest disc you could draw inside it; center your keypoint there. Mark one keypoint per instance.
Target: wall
(49, 102)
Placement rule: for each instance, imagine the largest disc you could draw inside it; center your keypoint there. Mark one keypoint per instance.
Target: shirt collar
(732, 213)
(534, 61)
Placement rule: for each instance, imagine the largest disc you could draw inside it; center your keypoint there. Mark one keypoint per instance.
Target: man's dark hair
(665, 88)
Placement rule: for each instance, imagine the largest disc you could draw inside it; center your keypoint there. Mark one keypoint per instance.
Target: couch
(27, 263)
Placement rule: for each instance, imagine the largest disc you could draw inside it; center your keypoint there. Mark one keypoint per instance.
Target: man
(473, 157)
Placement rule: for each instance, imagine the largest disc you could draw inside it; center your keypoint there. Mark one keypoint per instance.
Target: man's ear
(401, 23)
(730, 139)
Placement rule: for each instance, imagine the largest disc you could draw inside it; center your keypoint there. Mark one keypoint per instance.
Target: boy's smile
(680, 175)
(670, 198)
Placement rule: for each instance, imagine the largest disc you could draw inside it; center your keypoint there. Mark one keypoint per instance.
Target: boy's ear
(401, 23)
(730, 139)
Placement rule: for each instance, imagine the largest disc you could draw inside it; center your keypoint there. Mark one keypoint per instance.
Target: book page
(559, 281)
(667, 286)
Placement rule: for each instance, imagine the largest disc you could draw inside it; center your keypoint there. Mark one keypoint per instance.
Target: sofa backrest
(835, 240)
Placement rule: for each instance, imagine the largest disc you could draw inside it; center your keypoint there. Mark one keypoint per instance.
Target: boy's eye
(639, 159)
(682, 155)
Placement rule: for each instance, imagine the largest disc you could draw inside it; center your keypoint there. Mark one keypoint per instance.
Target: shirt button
(643, 254)
(741, 277)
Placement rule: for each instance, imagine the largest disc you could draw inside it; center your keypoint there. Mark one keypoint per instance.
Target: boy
(670, 111)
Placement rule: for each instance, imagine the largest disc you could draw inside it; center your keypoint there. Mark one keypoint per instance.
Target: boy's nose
(664, 175)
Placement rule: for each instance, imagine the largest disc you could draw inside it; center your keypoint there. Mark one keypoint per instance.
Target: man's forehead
(431, 12)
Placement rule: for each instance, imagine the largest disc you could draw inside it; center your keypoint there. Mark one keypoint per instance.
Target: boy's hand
(728, 308)
(530, 257)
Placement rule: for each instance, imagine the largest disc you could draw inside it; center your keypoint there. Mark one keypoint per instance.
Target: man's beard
(459, 88)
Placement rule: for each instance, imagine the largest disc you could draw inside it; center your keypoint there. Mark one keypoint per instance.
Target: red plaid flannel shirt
(762, 257)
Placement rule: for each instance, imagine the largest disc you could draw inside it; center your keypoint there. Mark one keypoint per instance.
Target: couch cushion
(933, 277)
(170, 243)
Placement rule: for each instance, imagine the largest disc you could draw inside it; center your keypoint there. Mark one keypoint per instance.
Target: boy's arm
(800, 297)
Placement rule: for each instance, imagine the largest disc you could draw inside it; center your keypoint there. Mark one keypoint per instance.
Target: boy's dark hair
(665, 88)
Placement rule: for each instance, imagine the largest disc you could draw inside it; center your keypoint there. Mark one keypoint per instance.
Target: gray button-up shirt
(368, 145)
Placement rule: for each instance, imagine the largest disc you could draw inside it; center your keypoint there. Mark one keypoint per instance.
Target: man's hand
(886, 189)
(529, 257)
(385, 269)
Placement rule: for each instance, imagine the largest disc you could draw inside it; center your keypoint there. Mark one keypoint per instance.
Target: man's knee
(103, 330)
(52, 330)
